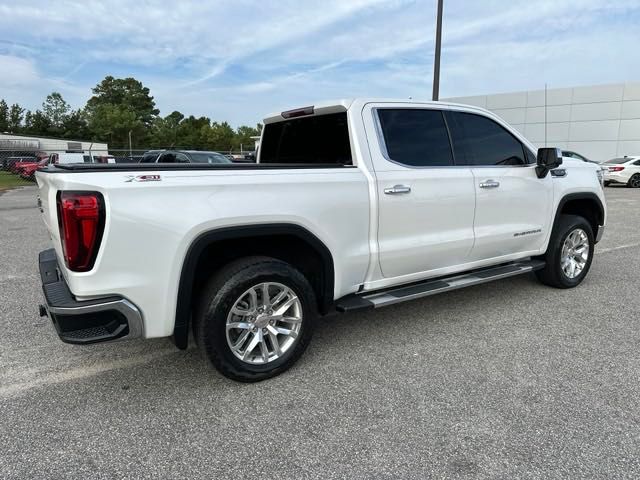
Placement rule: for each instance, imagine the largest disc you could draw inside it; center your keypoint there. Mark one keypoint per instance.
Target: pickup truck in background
(354, 204)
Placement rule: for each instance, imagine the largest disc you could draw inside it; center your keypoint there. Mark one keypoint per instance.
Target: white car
(353, 204)
(625, 170)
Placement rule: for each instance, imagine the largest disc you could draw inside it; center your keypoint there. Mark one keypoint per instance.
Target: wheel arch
(584, 204)
(280, 240)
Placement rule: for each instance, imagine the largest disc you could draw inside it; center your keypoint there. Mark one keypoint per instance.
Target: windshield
(618, 160)
(208, 157)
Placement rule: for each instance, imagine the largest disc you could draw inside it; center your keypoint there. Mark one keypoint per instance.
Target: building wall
(49, 145)
(599, 122)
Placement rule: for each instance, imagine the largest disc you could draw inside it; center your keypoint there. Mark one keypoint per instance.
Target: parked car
(353, 205)
(570, 154)
(69, 158)
(20, 167)
(28, 170)
(243, 157)
(183, 156)
(624, 170)
(13, 164)
(104, 159)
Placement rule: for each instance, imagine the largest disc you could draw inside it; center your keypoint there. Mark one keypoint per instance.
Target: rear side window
(322, 139)
(149, 158)
(416, 137)
(478, 140)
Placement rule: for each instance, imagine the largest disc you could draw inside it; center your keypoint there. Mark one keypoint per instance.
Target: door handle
(397, 189)
(489, 184)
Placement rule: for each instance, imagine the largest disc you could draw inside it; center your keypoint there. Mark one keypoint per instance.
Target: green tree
(36, 123)
(243, 137)
(123, 92)
(114, 122)
(192, 132)
(221, 136)
(56, 110)
(75, 126)
(164, 131)
(15, 118)
(4, 116)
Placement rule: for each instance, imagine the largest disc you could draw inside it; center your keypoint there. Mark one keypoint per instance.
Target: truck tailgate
(47, 203)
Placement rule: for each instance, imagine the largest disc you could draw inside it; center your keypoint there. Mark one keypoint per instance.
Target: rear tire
(634, 181)
(247, 334)
(606, 184)
(569, 254)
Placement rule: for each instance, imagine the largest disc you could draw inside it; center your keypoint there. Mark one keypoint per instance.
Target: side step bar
(433, 286)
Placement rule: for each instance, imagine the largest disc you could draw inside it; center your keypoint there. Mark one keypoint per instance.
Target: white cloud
(238, 59)
(16, 72)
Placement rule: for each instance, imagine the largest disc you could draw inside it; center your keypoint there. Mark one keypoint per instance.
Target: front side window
(416, 137)
(173, 157)
(209, 157)
(478, 140)
(319, 139)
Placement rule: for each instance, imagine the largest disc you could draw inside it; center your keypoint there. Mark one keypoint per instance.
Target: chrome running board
(405, 293)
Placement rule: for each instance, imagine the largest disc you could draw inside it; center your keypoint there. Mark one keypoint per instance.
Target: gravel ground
(509, 379)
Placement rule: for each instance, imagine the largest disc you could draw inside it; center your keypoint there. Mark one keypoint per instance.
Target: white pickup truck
(353, 204)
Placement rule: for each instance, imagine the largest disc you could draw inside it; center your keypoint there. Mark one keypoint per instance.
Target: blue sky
(238, 60)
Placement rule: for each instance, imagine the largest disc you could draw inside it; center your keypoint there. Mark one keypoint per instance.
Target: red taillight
(616, 169)
(81, 221)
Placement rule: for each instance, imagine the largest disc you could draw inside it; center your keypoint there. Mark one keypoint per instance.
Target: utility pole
(436, 60)
(130, 151)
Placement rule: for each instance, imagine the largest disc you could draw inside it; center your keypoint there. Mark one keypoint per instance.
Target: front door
(513, 205)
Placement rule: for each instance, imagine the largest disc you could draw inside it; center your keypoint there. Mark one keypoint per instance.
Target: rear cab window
(415, 137)
(318, 139)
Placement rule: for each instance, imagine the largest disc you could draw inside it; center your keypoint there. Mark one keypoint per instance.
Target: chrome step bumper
(89, 321)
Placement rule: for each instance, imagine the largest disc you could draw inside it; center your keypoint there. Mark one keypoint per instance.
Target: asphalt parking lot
(509, 379)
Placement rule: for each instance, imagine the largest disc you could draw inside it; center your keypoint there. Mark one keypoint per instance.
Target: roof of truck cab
(342, 105)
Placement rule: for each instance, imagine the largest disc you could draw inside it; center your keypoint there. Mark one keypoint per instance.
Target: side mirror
(548, 159)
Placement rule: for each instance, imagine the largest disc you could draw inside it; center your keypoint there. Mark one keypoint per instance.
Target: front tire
(634, 181)
(569, 254)
(255, 319)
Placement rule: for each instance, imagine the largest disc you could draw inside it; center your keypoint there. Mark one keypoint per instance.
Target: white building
(599, 122)
(27, 143)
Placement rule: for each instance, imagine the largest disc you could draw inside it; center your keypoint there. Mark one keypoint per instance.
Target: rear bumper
(89, 321)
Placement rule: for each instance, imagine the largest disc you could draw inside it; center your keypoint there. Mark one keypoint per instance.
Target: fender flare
(202, 241)
(580, 196)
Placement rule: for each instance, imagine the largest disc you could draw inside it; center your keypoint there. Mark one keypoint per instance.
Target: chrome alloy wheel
(575, 253)
(264, 323)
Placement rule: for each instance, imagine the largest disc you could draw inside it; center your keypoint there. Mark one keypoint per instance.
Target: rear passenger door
(425, 203)
(513, 205)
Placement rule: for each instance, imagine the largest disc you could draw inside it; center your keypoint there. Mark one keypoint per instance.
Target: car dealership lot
(507, 379)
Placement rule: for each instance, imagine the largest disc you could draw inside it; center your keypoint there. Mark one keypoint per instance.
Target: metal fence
(24, 161)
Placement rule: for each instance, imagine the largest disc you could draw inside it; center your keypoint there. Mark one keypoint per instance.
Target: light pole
(436, 60)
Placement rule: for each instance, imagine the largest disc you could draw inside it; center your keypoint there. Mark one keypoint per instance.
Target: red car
(14, 164)
(28, 170)
(19, 167)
